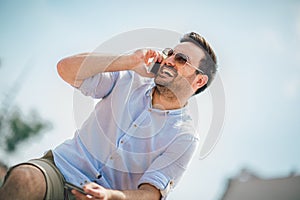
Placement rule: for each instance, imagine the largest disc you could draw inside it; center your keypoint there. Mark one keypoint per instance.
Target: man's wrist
(115, 195)
(133, 61)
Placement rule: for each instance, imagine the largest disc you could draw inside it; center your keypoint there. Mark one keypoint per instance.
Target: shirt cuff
(160, 181)
(88, 85)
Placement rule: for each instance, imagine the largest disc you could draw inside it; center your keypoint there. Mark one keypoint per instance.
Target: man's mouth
(168, 71)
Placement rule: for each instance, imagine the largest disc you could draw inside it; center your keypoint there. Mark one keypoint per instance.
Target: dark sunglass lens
(181, 58)
(170, 53)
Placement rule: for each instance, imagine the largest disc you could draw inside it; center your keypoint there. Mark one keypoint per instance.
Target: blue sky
(257, 44)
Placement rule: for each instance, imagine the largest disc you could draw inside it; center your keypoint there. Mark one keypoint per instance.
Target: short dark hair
(209, 63)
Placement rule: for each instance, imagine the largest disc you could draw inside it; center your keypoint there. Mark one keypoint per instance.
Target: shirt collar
(149, 93)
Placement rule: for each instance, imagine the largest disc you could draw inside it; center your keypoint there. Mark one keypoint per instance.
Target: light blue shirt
(125, 142)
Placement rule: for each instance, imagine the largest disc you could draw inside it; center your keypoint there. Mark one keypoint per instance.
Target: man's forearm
(76, 68)
(145, 192)
(140, 194)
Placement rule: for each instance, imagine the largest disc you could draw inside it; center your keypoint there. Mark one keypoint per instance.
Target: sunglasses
(180, 58)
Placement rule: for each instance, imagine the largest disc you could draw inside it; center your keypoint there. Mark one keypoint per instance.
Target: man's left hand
(94, 191)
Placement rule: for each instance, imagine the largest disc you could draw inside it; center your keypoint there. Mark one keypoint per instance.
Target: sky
(257, 45)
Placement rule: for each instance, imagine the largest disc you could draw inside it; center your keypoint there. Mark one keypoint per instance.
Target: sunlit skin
(176, 83)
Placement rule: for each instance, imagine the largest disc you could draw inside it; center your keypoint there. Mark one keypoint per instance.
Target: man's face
(179, 77)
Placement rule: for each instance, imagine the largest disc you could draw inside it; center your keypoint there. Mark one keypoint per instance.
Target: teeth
(168, 72)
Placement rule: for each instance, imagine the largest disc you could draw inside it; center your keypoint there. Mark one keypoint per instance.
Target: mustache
(169, 67)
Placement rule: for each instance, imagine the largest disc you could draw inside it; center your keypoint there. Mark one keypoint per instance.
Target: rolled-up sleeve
(166, 171)
(99, 85)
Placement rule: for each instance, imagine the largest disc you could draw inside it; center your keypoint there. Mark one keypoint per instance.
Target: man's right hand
(141, 61)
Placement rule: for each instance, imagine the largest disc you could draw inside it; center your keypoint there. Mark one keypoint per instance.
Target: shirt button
(134, 125)
(99, 176)
(122, 141)
(111, 158)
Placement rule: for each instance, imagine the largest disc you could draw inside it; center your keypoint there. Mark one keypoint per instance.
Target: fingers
(149, 54)
(158, 58)
(144, 59)
(95, 190)
(80, 196)
(91, 185)
(154, 55)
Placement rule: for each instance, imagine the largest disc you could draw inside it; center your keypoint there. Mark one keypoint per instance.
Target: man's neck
(166, 100)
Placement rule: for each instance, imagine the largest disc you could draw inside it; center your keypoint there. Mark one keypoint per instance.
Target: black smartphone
(70, 186)
(154, 69)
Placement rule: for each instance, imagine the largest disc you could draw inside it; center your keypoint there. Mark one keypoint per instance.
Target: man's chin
(160, 83)
(163, 81)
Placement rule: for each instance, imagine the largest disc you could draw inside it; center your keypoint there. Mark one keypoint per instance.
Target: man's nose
(170, 61)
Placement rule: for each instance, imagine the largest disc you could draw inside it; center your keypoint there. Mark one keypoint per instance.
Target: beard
(165, 76)
(168, 81)
(172, 84)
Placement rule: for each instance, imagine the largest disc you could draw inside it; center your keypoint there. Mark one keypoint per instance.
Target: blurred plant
(14, 128)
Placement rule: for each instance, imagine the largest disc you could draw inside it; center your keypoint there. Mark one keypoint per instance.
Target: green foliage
(15, 128)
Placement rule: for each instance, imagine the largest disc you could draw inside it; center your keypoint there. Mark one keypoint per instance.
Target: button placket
(140, 118)
(122, 140)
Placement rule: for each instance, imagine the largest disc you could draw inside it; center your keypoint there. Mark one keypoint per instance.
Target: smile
(168, 71)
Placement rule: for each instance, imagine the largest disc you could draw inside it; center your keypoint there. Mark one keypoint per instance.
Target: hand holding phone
(70, 186)
(154, 68)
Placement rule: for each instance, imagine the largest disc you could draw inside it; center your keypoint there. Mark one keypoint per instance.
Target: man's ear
(200, 81)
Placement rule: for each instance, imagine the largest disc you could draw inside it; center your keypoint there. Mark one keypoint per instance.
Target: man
(139, 139)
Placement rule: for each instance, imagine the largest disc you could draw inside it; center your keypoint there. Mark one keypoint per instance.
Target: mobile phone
(70, 186)
(154, 68)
